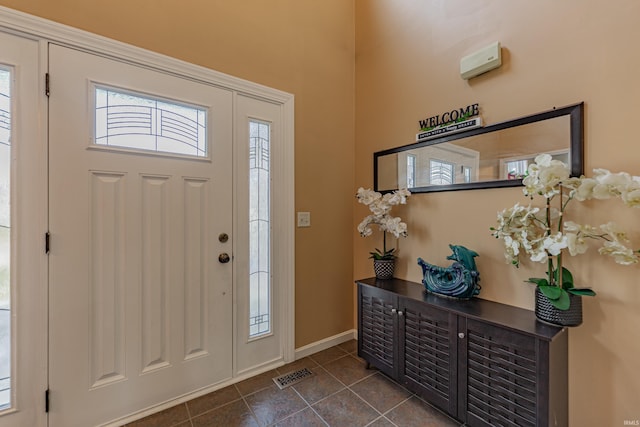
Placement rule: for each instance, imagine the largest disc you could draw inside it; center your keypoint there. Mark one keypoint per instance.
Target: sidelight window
(5, 238)
(411, 170)
(259, 229)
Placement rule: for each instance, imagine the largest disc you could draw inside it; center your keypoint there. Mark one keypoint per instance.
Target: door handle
(224, 258)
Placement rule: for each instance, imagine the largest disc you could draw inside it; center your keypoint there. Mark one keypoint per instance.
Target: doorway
(144, 308)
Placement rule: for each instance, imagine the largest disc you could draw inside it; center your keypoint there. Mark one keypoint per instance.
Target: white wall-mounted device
(481, 61)
(304, 219)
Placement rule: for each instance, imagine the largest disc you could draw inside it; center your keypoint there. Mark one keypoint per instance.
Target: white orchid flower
(555, 243)
(380, 207)
(620, 253)
(366, 197)
(544, 234)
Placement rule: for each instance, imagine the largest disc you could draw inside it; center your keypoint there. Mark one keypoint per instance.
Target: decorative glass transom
(133, 121)
(441, 172)
(5, 238)
(259, 229)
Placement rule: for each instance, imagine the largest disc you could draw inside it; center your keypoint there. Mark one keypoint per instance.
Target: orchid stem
(384, 242)
(548, 233)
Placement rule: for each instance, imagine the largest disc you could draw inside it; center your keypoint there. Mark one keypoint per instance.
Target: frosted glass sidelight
(5, 238)
(259, 229)
(411, 170)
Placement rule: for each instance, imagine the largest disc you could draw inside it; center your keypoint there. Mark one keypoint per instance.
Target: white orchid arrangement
(380, 207)
(543, 234)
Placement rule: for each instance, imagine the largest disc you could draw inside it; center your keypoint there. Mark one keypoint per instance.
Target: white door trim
(29, 221)
(43, 30)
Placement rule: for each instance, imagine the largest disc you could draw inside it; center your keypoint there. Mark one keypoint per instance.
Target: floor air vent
(292, 378)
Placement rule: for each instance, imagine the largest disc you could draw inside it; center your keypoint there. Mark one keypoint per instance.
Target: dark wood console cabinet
(483, 363)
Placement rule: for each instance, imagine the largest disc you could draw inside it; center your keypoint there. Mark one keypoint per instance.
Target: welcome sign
(450, 122)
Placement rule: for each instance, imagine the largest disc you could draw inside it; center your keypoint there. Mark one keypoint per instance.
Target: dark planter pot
(546, 312)
(384, 268)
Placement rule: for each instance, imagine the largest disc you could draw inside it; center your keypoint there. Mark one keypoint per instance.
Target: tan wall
(305, 48)
(554, 54)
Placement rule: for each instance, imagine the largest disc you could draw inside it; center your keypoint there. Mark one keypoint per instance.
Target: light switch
(304, 219)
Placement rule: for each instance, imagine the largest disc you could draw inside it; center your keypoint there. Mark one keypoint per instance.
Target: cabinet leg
(368, 365)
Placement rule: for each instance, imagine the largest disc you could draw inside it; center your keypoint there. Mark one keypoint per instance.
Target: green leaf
(538, 281)
(378, 254)
(562, 302)
(551, 292)
(582, 291)
(567, 279)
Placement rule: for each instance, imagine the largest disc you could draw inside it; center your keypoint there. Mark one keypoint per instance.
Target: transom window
(441, 172)
(140, 122)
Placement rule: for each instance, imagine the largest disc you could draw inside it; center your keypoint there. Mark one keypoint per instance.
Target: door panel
(140, 307)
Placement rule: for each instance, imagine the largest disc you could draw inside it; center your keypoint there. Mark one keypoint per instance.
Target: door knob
(224, 258)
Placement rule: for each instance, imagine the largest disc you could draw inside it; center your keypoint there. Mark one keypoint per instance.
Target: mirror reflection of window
(517, 169)
(441, 172)
(466, 172)
(483, 157)
(411, 171)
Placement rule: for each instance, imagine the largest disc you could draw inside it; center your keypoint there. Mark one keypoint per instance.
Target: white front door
(140, 196)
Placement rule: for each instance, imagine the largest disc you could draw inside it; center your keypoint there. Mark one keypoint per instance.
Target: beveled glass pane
(259, 229)
(139, 122)
(5, 238)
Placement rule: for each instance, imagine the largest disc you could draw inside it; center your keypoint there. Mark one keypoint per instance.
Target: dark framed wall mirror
(492, 156)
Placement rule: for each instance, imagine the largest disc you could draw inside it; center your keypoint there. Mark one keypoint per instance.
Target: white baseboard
(324, 344)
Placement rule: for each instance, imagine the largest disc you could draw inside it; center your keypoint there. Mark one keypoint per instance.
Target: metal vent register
(292, 378)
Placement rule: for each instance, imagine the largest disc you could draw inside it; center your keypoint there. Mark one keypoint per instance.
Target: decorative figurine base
(459, 280)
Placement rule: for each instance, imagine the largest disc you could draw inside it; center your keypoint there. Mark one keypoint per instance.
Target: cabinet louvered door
(377, 329)
(500, 385)
(429, 365)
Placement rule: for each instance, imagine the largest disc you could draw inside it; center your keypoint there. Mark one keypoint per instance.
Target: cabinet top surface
(510, 317)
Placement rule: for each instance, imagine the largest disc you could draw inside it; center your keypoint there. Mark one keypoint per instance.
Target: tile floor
(341, 393)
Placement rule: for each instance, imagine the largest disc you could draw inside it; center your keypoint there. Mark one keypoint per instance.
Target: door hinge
(46, 84)
(47, 241)
(46, 400)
